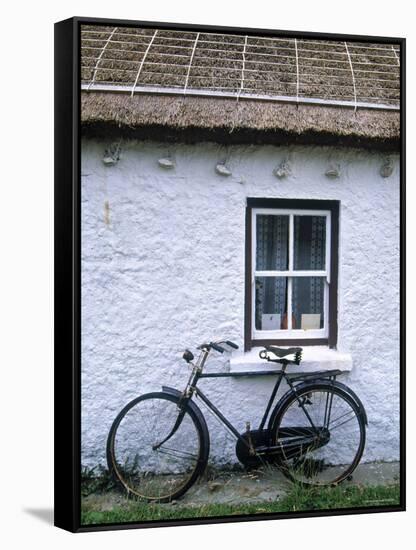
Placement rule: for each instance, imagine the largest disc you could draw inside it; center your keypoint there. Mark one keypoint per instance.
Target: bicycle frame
(282, 440)
(217, 412)
(197, 373)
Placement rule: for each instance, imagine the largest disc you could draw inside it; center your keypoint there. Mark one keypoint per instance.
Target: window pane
(272, 235)
(309, 252)
(271, 303)
(308, 302)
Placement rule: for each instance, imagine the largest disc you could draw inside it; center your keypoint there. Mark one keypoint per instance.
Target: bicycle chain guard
(259, 438)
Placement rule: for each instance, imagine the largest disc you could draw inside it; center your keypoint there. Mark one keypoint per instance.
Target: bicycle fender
(356, 399)
(172, 391)
(195, 409)
(349, 391)
(308, 384)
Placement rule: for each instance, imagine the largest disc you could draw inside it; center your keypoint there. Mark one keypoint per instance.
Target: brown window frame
(301, 204)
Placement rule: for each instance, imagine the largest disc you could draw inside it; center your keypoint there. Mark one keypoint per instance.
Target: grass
(96, 480)
(298, 499)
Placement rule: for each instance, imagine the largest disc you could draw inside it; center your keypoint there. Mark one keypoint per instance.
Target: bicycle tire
(143, 483)
(315, 464)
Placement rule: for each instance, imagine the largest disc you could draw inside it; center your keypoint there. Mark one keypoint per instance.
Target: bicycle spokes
(153, 454)
(322, 446)
(177, 453)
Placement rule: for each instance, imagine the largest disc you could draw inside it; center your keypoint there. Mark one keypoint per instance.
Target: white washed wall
(163, 269)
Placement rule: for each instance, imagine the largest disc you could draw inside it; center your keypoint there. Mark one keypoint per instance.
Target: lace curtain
(309, 253)
(272, 254)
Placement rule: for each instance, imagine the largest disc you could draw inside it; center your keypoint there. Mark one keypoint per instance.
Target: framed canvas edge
(227, 29)
(403, 274)
(67, 278)
(67, 289)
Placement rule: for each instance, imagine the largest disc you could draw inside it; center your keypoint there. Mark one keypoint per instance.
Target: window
(291, 272)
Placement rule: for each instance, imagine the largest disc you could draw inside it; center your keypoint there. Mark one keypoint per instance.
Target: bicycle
(158, 444)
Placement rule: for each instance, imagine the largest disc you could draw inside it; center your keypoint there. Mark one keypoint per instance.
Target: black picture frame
(68, 280)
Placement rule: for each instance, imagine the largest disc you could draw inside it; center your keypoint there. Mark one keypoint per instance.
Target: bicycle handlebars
(231, 344)
(218, 347)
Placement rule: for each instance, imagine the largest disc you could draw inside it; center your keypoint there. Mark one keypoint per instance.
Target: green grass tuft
(96, 480)
(298, 499)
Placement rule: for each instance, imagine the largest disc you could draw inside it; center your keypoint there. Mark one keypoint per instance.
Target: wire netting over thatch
(137, 77)
(135, 58)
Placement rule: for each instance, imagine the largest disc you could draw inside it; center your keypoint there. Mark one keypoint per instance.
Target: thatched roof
(225, 84)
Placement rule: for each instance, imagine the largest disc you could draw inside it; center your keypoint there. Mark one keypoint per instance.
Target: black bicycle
(158, 444)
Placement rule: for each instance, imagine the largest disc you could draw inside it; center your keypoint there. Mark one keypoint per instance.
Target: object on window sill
(310, 321)
(270, 321)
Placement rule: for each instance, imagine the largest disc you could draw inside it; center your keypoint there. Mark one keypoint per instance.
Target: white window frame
(290, 273)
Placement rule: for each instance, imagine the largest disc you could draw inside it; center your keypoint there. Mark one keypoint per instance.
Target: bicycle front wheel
(148, 456)
(321, 435)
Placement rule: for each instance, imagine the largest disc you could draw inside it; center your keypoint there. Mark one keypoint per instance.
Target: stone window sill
(314, 358)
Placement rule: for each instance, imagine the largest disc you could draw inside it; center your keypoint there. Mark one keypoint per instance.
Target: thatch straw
(307, 68)
(229, 120)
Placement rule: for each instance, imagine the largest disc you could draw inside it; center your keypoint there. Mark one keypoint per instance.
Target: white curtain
(309, 253)
(272, 254)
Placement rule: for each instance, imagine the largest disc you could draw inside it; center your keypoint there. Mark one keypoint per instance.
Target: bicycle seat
(281, 353)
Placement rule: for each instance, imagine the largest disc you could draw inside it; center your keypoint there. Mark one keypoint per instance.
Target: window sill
(314, 358)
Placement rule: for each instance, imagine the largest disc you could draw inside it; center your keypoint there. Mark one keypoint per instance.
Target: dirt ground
(252, 487)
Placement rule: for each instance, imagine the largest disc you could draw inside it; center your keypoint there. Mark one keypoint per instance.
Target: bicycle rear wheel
(321, 435)
(142, 461)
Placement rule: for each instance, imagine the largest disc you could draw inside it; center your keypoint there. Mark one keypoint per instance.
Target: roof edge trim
(215, 93)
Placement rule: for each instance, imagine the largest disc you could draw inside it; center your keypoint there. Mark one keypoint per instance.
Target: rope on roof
(100, 56)
(143, 60)
(396, 56)
(190, 63)
(297, 71)
(240, 66)
(353, 77)
(242, 70)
